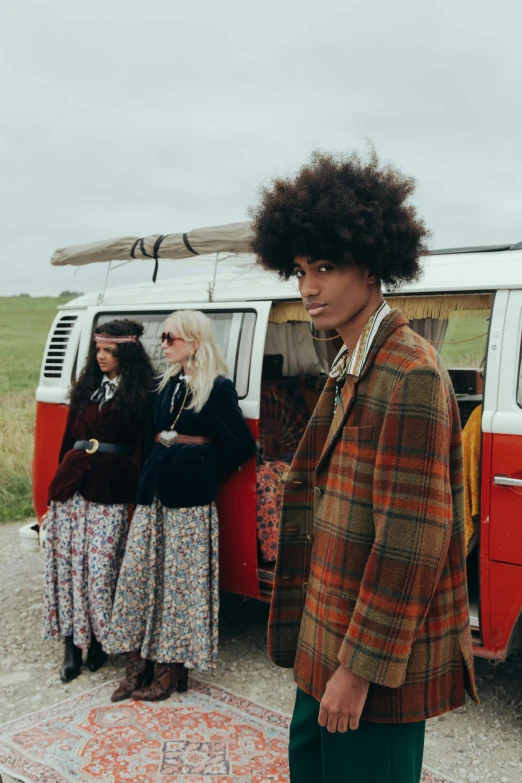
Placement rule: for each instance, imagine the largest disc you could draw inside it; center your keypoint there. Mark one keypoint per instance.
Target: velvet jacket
(100, 477)
(371, 566)
(187, 475)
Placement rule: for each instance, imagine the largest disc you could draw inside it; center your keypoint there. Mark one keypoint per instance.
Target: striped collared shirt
(345, 364)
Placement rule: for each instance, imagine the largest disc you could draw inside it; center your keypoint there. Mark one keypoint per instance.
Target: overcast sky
(126, 117)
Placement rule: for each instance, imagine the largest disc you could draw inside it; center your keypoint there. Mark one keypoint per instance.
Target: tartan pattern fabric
(371, 566)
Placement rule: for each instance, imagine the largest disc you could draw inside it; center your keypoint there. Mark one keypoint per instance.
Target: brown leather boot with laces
(138, 672)
(167, 677)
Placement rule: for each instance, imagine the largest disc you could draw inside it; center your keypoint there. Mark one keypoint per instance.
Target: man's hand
(343, 701)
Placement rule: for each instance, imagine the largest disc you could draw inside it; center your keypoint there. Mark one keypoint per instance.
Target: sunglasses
(169, 338)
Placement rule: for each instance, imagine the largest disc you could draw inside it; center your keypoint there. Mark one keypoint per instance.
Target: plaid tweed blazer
(371, 567)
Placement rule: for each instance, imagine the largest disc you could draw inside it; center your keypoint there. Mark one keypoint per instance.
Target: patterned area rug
(207, 735)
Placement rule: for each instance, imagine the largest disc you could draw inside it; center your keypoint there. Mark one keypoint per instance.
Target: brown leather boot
(166, 678)
(138, 672)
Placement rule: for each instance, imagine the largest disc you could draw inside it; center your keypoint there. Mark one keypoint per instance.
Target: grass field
(24, 325)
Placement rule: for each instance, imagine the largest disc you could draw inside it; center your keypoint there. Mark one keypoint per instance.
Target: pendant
(168, 437)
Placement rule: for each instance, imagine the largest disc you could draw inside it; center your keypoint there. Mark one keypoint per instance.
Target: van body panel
(506, 603)
(48, 435)
(237, 507)
(507, 423)
(506, 501)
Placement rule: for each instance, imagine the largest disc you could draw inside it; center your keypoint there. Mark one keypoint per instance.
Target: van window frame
(243, 310)
(518, 372)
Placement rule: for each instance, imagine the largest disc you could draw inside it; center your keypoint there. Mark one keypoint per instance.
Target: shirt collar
(345, 364)
(106, 379)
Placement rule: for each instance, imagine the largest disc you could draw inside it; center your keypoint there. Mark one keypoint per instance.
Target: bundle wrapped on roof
(231, 238)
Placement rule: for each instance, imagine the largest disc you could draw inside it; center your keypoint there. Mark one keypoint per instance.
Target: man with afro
(370, 602)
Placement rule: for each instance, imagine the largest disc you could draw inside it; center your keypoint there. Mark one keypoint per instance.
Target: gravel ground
(476, 744)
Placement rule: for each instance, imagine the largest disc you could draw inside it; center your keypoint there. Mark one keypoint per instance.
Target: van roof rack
(478, 249)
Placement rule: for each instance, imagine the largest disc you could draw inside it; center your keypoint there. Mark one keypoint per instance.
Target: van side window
(234, 331)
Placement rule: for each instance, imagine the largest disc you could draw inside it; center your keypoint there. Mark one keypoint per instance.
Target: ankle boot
(182, 686)
(96, 657)
(138, 672)
(72, 661)
(166, 678)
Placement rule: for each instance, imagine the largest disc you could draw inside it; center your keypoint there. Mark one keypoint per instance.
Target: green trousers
(373, 753)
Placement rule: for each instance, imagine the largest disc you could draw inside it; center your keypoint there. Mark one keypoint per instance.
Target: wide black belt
(91, 446)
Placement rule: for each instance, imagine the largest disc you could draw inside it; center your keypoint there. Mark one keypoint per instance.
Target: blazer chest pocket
(359, 434)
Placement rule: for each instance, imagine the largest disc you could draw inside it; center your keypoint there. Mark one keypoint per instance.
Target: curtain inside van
(432, 329)
(294, 342)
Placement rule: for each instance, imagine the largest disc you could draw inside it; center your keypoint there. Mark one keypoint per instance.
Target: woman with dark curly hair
(370, 601)
(89, 497)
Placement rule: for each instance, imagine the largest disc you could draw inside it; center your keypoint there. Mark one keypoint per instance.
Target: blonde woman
(166, 605)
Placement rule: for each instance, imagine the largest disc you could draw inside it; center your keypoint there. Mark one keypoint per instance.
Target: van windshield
(234, 331)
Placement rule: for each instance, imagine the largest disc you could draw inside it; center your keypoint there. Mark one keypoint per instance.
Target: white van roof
(452, 271)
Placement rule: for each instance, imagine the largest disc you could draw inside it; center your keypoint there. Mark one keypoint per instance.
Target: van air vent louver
(58, 346)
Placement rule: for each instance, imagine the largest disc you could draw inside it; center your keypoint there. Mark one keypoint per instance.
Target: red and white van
(279, 368)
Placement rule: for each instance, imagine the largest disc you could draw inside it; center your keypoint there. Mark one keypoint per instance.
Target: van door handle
(506, 481)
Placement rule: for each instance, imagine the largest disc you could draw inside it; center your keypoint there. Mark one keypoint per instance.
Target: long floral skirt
(83, 553)
(167, 598)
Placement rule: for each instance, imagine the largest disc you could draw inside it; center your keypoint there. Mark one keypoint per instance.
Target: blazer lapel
(341, 414)
(162, 418)
(316, 433)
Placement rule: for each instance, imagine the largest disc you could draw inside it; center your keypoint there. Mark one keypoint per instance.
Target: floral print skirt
(167, 599)
(83, 552)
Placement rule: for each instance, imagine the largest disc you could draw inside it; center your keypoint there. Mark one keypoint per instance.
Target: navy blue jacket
(187, 475)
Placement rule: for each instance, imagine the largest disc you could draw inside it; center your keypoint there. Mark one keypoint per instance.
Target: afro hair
(344, 209)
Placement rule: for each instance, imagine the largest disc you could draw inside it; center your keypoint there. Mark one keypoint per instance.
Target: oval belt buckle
(168, 437)
(94, 447)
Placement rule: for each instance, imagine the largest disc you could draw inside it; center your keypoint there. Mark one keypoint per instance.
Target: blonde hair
(195, 325)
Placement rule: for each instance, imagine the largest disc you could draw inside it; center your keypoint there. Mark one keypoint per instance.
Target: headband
(109, 338)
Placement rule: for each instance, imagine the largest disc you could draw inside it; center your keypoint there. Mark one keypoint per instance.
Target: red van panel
(237, 512)
(48, 434)
(505, 512)
(505, 606)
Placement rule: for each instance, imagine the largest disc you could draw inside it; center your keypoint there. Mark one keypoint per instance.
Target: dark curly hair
(135, 371)
(343, 209)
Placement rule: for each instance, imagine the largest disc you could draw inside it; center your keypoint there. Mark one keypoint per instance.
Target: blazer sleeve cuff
(388, 670)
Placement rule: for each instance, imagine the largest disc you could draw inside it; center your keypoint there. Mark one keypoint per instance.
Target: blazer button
(309, 537)
(305, 586)
(317, 492)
